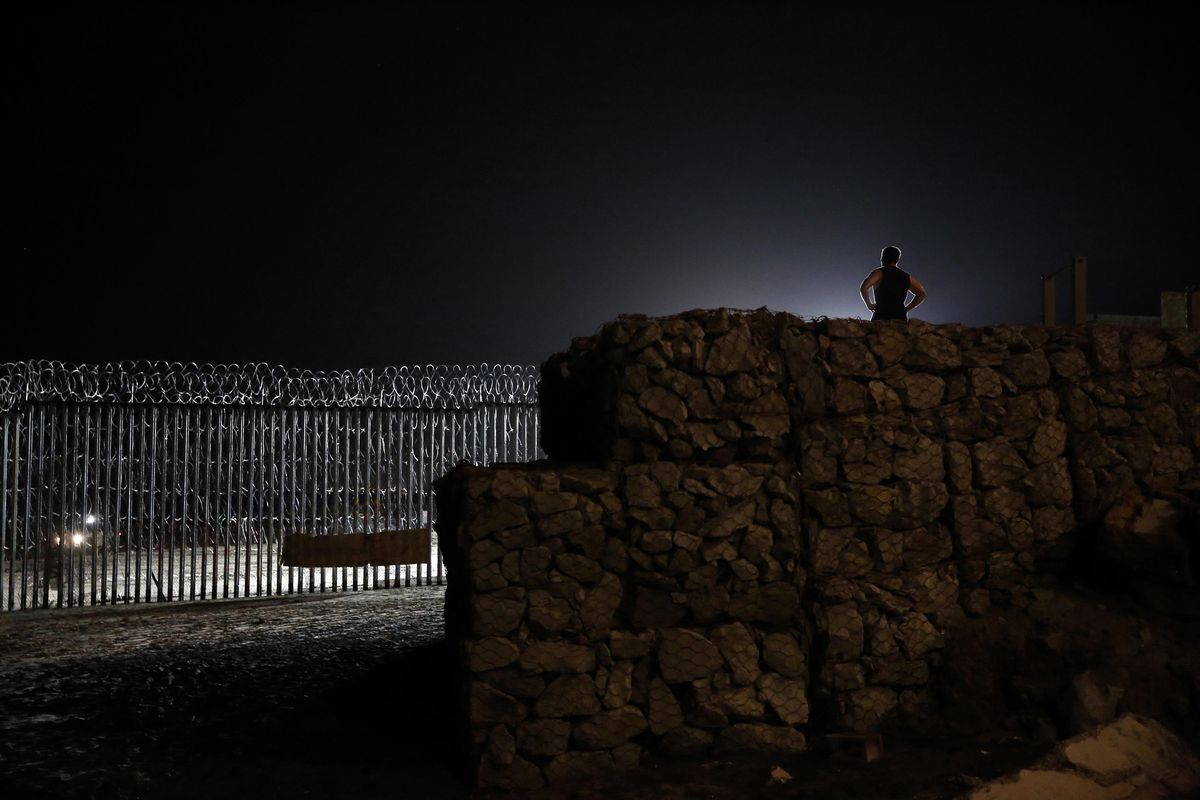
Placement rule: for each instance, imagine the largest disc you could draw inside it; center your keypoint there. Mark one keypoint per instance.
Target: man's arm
(918, 291)
(867, 283)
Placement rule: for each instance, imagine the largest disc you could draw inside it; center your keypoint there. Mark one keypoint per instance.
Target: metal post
(1079, 295)
(4, 519)
(1048, 299)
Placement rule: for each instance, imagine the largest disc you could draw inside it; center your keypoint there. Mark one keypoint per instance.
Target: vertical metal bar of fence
(344, 424)
(171, 507)
(275, 501)
(181, 487)
(261, 508)
(353, 489)
(428, 434)
(263, 557)
(46, 508)
(325, 454)
(409, 421)
(436, 430)
(245, 483)
(246, 495)
(310, 498)
(196, 558)
(155, 504)
(290, 527)
(169, 475)
(275, 506)
(26, 577)
(20, 510)
(79, 515)
(230, 578)
(105, 527)
(224, 510)
(374, 437)
(448, 462)
(6, 554)
(314, 524)
(127, 534)
(77, 509)
(64, 553)
(188, 514)
(494, 455)
(251, 465)
(205, 478)
(237, 467)
(227, 521)
(62, 562)
(398, 477)
(362, 477)
(250, 521)
(145, 535)
(204, 503)
(76, 558)
(422, 463)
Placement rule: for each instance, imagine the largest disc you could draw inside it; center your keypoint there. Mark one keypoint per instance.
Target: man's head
(889, 256)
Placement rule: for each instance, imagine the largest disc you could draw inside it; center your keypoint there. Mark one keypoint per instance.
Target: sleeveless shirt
(890, 294)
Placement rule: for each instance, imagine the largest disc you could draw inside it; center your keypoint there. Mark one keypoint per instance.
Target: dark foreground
(330, 697)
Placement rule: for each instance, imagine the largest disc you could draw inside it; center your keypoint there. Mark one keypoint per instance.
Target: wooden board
(358, 549)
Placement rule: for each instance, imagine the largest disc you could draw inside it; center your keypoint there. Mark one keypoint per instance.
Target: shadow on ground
(350, 696)
(378, 733)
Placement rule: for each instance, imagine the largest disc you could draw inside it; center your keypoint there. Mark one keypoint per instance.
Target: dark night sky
(408, 184)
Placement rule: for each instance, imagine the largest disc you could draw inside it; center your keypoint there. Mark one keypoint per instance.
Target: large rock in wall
(779, 519)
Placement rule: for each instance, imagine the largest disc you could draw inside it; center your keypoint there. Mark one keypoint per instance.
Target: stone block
(568, 696)
(787, 698)
(609, 729)
(558, 657)
(783, 654)
(685, 655)
(739, 651)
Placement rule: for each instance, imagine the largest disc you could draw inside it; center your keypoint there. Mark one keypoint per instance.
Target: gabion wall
(777, 521)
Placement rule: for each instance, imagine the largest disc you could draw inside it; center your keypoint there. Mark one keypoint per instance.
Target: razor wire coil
(432, 386)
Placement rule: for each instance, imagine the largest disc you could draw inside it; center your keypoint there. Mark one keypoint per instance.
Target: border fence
(142, 482)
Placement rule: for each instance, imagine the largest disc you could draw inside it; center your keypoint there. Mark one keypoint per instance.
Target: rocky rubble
(1132, 757)
(753, 524)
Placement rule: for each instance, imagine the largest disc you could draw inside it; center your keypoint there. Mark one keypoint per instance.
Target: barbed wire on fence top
(177, 383)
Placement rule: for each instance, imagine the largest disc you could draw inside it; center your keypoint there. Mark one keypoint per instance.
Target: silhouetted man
(891, 285)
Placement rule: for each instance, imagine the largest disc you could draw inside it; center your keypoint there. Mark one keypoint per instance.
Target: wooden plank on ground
(385, 548)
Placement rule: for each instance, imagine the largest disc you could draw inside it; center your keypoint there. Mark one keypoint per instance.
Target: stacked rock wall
(605, 609)
(781, 514)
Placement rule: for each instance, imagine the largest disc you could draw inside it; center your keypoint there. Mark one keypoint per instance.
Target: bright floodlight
(77, 539)
(89, 519)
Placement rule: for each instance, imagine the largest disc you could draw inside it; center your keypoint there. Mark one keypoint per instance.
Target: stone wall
(755, 526)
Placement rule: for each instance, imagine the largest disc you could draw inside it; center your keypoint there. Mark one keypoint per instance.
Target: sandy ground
(342, 696)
